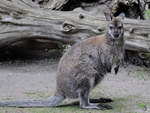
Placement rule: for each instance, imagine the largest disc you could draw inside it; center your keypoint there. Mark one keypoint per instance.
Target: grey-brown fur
(84, 65)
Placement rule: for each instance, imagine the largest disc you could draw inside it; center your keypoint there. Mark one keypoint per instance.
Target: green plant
(143, 105)
(26, 70)
(8, 98)
(148, 13)
(141, 73)
(65, 47)
(38, 93)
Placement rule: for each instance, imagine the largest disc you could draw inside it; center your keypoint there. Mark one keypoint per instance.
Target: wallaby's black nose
(116, 34)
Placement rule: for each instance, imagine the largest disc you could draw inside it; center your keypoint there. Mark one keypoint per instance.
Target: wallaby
(83, 66)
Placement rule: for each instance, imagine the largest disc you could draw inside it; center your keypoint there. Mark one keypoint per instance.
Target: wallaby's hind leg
(85, 104)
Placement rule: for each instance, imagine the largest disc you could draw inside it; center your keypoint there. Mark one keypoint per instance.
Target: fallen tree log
(131, 8)
(18, 22)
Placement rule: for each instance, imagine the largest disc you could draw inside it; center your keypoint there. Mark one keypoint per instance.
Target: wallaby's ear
(108, 16)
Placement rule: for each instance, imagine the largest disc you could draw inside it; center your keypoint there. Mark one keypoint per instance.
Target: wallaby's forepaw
(104, 107)
(116, 69)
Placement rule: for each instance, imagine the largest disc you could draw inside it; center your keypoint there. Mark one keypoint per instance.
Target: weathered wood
(72, 4)
(57, 4)
(22, 22)
(131, 8)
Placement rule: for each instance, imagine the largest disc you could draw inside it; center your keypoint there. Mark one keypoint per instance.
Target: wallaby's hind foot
(97, 106)
(102, 106)
(100, 100)
(92, 100)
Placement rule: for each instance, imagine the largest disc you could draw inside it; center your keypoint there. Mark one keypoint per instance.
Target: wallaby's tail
(52, 102)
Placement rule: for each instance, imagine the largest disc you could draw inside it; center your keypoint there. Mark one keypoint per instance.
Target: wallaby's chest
(115, 54)
(111, 54)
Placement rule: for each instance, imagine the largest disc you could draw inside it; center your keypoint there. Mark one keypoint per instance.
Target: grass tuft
(143, 105)
(148, 13)
(38, 93)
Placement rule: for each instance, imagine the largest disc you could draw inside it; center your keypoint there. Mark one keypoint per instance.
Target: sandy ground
(34, 79)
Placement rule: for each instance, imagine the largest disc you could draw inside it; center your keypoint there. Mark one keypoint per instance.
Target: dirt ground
(35, 79)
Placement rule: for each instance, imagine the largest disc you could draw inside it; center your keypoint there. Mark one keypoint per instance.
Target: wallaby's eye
(111, 27)
(120, 27)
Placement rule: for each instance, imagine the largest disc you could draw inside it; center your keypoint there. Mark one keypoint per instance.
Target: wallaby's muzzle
(116, 35)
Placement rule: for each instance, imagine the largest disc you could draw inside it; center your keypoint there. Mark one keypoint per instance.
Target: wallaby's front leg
(116, 69)
(85, 104)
